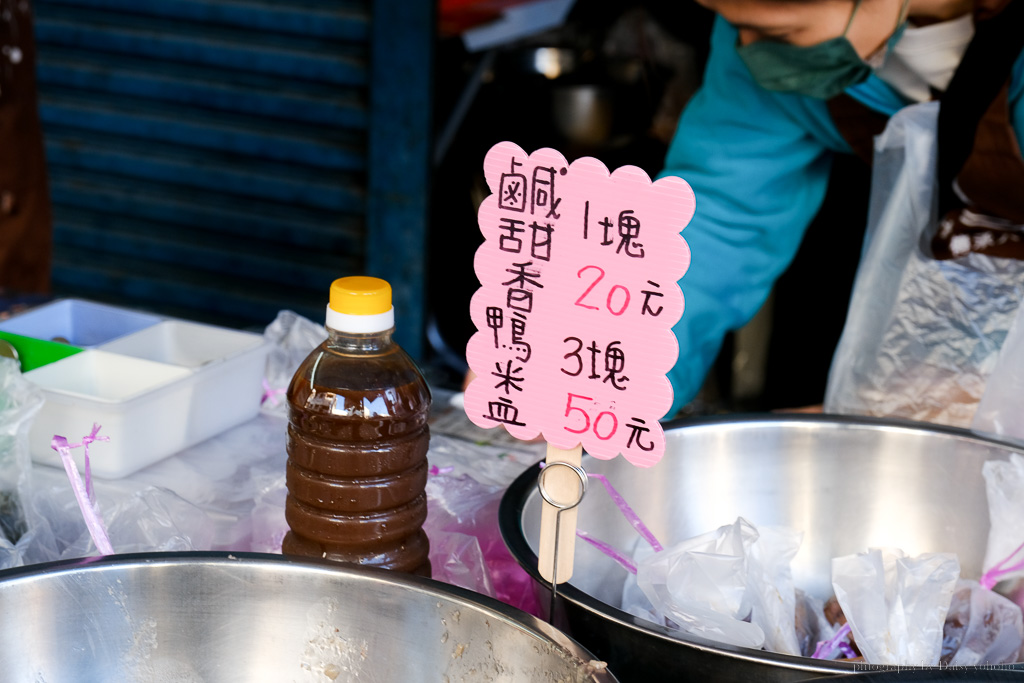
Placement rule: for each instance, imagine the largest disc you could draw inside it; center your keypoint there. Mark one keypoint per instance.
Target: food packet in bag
(982, 628)
(812, 626)
(770, 587)
(732, 585)
(896, 605)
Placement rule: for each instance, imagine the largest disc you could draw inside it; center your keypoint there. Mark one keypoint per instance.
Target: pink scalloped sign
(578, 296)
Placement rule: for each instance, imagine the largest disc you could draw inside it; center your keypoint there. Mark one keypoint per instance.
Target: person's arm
(758, 164)
(1017, 99)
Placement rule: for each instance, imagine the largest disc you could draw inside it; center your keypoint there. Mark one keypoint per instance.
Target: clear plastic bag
(770, 582)
(457, 505)
(732, 585)
(1001, 405)
(20, 400)
(151, 520)
(268, 522)
(466, 548)
(463, 495)
(922, 336)
(293, 337)
(896, 605)
(1004, 487)
(700, 585)
(982, 628)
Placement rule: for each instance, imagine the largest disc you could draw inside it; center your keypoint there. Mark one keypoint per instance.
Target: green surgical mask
(821, 71)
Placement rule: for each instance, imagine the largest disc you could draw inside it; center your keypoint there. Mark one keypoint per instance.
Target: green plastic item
(34, 353)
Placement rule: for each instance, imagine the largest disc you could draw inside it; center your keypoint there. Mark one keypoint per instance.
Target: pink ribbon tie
(611, 552)
(628, 512)
(269, 393)
(631, 517)
(995, 574)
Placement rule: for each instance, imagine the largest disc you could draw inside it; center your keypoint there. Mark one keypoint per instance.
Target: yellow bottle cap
(360, 295)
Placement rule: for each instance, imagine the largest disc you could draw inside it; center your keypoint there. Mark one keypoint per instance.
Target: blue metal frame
(399, 158)
(226, 159)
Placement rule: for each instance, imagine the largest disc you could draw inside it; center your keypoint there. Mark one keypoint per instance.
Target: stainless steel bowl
(846, 483)
(214, 617)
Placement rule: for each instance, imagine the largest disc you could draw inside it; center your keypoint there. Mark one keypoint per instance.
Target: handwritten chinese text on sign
(578, 296)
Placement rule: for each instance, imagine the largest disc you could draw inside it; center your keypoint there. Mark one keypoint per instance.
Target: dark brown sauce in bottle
(357, 455)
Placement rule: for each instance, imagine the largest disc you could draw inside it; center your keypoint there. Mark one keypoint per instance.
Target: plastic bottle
(357, 440)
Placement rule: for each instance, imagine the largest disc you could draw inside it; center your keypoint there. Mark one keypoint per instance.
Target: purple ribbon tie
(83, 491)
(827, 648)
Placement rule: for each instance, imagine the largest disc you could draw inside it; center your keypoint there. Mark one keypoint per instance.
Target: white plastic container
(155, 391)
(140, 403)
(228, 367)
(191, 345)
(78, 322)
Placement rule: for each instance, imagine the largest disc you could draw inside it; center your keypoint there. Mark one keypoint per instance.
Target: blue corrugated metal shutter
(207, 158)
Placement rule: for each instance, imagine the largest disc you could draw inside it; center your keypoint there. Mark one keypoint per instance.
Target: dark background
(223, 161)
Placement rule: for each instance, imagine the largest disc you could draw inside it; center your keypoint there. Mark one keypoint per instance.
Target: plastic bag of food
(699, 586)
(812, 627)
(896, 605)
(770, 586)
(1004, 487)
(982, 628)
(732, 585)
(841, 645)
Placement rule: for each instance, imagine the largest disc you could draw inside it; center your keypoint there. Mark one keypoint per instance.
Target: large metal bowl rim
(467, 598)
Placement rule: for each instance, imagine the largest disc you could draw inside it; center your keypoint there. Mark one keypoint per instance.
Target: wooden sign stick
(563, 486)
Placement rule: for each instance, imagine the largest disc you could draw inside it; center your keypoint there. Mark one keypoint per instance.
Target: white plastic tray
(228, 368)
(155, 391)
